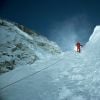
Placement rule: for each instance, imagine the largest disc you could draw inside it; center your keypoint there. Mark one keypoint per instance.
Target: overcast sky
(63, 21)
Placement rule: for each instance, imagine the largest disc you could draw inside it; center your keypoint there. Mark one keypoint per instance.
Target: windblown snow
(71, 76)
(20, 46)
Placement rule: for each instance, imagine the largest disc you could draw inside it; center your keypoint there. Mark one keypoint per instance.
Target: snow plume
(68, 32)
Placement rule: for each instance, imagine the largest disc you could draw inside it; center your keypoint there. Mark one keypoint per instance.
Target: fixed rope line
(30, 75)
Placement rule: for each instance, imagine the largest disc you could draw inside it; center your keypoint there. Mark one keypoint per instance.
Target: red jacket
(78, 45)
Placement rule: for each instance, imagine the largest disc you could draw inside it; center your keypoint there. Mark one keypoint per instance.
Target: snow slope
(92, 48)
(71, 76)
(20, 46)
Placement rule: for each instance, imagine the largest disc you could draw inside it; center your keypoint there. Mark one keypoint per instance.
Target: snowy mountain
(20, 46)
(71, 76)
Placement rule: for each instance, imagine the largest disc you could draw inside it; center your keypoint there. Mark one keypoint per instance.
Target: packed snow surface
(71, 76)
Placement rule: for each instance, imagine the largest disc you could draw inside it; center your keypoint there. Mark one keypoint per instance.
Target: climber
(78, 45)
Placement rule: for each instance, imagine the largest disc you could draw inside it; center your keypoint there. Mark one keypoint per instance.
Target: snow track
(68, 77)
(54, 81)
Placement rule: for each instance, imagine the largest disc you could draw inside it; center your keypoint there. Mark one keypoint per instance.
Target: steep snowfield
(92, 48)
(20, 48)
(72, 76)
